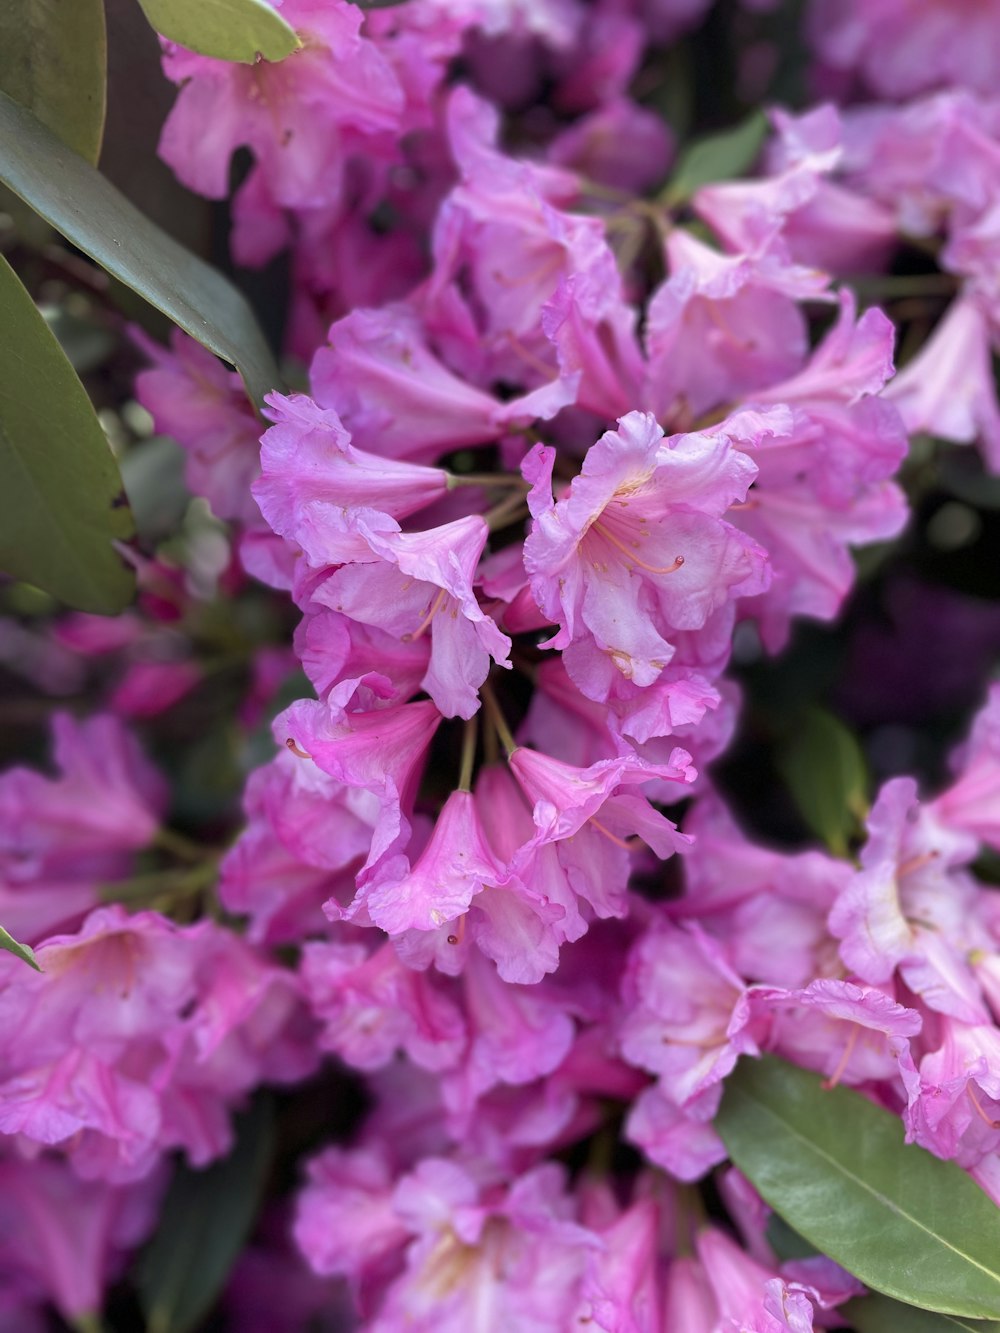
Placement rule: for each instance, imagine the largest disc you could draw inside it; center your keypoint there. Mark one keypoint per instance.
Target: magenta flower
(637, 549)
(954, 1094)
(413, 583)
(310, 470)
(371, 1006)
(69, 1237)
(971, 805)
(61, 838)
(296, 115)
(380, 752)
(196, 400)
(902, 47)
(948, 388)
(398, 398)
(137, 1037)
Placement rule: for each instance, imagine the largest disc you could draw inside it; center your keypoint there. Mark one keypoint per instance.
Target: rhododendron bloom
(637, 549)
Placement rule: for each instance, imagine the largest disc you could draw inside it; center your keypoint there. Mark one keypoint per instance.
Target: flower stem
(505, 479)
(502, 515)
(469, 736)
(499, 721)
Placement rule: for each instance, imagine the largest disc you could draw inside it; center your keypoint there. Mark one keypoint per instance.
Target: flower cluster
(561, 443)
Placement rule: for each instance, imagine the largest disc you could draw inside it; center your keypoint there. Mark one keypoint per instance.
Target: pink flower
(371, 1005)
(971, 804)
(954, 1095)
(137, 1037)
(810, 1029)
(355, 668)
(200, 403)
(345, 1221)
(587, 814)
(417, 582)
(823, 485)
(746, 896)
(637, 549)
(71, 1237)
(380, 752)
(901, 47)
(685, 1014)
(311, 470)
(948, 388)
(296, 116)
(720, 327)
(305, 836)
(398, 398)
(513, 1251)
(60, 838)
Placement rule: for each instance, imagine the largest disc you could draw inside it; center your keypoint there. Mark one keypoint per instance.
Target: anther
(993, 1124)
(651, 569)
(435, 607)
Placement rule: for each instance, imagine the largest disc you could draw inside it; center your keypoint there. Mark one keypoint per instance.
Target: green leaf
(91, 213)
(825, 770)
(22, 951)
(834, 1166)
(53, 60)
(878, 1314)
(717, 157)
(61, 497)
(206, 1218)
(228, 29)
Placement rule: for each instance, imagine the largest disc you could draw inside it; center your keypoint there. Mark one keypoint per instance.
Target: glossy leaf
(717, 157)
(53, 60)
(61, 498)
(228, 29)
(826, 774)
(91, 213)
(879, 1314)
(205, 1220)
(834, 1166)
(22, 951)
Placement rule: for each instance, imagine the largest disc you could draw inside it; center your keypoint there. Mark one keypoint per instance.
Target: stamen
(993, 1124)
(838, 1073)
(613, 837)
(297, 749)
(652, 569)
(916, 863)
(459, 934)
(434, 609)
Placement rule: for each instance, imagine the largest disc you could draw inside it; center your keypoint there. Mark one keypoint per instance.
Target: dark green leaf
(228, 29)
(22, 951)
(835, 1167)
(717, 157)
(786, 1243)
(826, 774)
(206, 1218)
(61, 498)
(53, 60)
(91, 213)
(879, 1314)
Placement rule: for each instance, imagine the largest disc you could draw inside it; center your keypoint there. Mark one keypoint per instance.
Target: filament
(993, 1124)
(916, 863)
(838, 1073)
(435, 607)
(652, 569)
(612, 837)
(295, 748)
